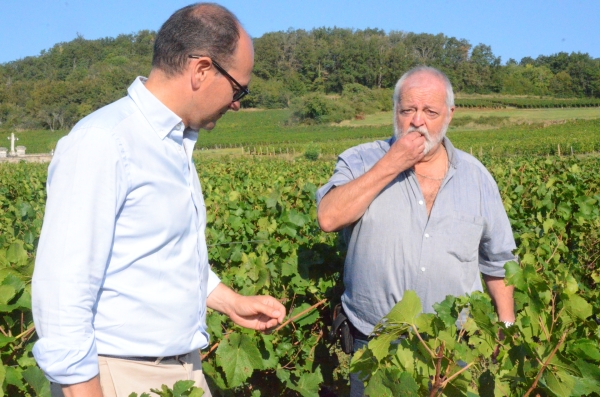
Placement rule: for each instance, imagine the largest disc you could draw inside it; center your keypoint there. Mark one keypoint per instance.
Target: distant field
(513, 115)
(262, 127)
(582, 136)
(269, 127)
(266, 130)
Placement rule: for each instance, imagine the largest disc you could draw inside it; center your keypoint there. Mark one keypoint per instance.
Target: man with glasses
(122, 280)
(240, 91)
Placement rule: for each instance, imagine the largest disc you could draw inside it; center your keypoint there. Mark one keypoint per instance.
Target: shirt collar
(161, 118)
(453, 159)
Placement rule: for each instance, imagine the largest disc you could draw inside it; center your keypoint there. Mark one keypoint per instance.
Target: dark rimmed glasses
(240, 90)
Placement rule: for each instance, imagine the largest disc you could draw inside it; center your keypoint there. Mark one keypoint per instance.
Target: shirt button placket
(426, 236)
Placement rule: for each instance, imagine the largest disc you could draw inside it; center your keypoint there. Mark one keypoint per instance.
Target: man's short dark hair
(200, 29)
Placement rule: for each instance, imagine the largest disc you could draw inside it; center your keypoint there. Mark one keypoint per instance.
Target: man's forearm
(502, 296)
(345, 204)
(90, 388)
(222, 299)
(259, 312)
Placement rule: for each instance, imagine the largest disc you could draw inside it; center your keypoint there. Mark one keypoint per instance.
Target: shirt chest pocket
(462, 235)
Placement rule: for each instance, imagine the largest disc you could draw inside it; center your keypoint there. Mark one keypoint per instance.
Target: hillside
(70, 80)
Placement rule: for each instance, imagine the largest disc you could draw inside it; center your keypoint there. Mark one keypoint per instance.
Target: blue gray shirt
(396, 246)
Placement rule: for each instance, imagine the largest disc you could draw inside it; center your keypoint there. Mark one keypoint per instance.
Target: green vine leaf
(380, 346)
(2, 376)
(239, 357)
(392, 383)
(7, 292)
(445, 311)
(514, 275)
(577, 307)
(16, 253)
(308, 384)
(406, 310)
(559, 382)
(36, 379)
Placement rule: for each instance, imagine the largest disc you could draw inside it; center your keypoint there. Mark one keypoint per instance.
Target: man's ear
(200, 70)
(450, 114)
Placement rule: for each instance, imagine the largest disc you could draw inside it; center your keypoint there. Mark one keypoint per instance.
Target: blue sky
(512, 28)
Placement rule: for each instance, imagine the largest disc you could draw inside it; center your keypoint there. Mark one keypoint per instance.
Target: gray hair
(426, 69)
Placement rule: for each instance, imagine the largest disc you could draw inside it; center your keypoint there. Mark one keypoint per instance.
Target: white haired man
(417, 214)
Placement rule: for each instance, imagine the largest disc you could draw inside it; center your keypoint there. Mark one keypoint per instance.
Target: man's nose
(235, 106)
(418, 119)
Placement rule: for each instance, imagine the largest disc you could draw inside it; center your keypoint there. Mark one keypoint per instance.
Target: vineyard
(266, 132)
(572, 137)
(263, 238)
(527, 103)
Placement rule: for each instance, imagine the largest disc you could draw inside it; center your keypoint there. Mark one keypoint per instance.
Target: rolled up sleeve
(213, 281)
(350, 165)
(87, 185)
(497, 243)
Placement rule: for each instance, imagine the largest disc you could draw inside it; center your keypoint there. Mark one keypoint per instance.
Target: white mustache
(421, 130)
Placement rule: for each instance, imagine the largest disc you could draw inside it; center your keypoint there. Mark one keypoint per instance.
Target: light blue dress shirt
(396, 246)
(122, 265)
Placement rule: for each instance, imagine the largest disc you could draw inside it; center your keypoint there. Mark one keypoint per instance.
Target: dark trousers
(357, 387)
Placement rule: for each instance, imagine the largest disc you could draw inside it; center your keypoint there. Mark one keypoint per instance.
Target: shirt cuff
(64, 365)
(494, 269)
(323, 190)
(213, 281)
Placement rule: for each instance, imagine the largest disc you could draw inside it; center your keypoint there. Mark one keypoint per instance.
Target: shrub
(312, 152)
(367, 101)
(267, 94)
(383, 97)
(318, 108)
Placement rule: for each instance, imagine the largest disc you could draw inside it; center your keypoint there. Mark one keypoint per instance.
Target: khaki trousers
(120, 377)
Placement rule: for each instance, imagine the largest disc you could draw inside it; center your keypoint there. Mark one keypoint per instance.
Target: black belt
(145, 358)
(356, 334)
(359, 335)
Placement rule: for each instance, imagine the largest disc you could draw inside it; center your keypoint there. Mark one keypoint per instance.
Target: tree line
(68, 81)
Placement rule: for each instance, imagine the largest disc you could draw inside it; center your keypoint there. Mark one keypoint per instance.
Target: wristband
(508, 324)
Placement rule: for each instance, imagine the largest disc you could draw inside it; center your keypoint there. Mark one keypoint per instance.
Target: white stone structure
(12, 144)
(21, 151)
(3, 152)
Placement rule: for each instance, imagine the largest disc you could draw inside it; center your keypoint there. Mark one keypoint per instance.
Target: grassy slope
(583, 136)
(267, 127)
(536, 139)
(36, 141)
(514, 115)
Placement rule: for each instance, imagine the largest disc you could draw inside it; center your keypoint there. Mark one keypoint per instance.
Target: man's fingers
(412, 139)
(413, 135)
(269, 327)
(271, 324)
(268, 310)
(273, 309)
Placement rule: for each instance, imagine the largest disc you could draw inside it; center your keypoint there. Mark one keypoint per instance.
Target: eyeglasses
(240, 90)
